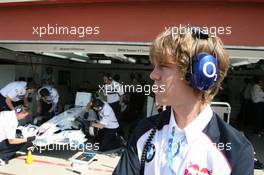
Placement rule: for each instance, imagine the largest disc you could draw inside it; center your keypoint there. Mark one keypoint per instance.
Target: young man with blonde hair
(188, 138)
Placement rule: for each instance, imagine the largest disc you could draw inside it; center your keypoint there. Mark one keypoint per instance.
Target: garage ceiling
(108, 52)
(99, 58)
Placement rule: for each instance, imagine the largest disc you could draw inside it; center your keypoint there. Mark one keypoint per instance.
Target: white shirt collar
(192, 130)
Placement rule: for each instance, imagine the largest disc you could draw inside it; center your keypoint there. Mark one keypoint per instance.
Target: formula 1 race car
(66, 128)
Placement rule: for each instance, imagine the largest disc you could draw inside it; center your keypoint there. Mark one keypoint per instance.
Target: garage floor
(59, 162)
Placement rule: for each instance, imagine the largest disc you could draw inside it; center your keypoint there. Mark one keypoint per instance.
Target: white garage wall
(25, 71)
(7, 74)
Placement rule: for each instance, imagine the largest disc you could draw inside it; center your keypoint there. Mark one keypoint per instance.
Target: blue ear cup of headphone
(204, 71)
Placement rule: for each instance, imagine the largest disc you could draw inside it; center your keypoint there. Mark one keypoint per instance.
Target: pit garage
(74, 65)
(78, 67)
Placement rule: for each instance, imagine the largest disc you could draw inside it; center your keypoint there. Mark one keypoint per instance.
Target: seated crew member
(188, 138)
(108, 125)
(9, 144)
(14, 92)
(47, 99)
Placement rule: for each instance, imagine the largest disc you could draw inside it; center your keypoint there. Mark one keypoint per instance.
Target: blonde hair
(179, 47)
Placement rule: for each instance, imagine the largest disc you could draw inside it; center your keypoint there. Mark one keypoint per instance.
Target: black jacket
(240, 157)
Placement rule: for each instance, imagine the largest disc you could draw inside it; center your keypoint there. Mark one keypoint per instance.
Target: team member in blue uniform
(13, 93)
(188, 138)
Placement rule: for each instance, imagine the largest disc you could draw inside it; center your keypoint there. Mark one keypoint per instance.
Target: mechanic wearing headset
(9, 144)
(188, 138)
(108, 134)
(47, 99)
(14, 92)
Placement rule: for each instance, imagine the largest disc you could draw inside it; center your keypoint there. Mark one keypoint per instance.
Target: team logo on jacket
(195, 169)
(150, 152)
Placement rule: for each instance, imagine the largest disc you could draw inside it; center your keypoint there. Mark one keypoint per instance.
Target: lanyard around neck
(179, 144)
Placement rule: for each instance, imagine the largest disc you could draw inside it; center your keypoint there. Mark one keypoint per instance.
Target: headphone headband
(97, 103)
(107, 75)
(197, 32)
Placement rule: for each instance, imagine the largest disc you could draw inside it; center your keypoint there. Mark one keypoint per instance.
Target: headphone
(19, 109)
(97, 103)
(108, 76)
(44, 92)
(203, 70)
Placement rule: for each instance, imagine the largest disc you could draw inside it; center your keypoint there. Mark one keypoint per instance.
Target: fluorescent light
(240, 63)
(82, 54)
(132, 60)
(78, 59)
(121, 57)
(104, 61)
(54, 55)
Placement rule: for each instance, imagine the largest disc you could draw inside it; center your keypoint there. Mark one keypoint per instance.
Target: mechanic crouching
(9, 143)
(108, 134)
(47, 98)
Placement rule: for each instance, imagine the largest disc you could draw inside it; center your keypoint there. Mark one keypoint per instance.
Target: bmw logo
(150, 153)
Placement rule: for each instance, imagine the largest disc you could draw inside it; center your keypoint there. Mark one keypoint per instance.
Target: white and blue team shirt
(257, 94)
(8, 125)
(207, 146)
(113, 92)
(53, 98)
(108, 118)
(16, 90)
